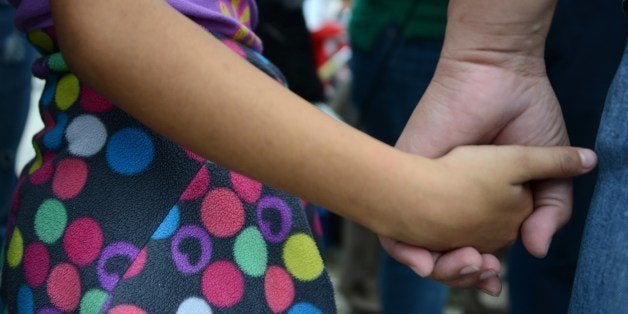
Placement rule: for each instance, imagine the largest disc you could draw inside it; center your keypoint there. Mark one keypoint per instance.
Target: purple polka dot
(181, 260)
(285, 221)
(109, 280)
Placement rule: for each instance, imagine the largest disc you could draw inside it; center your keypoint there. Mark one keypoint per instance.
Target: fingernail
(469, 270)
(487, 274)
(548, 247)
(587, 157)
(491, 293)
(422, 274)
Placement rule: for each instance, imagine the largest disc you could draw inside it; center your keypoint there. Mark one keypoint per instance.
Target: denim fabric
(601, 284)
(389, 80)
(388, 83)
(15, 88)
(402, 291)
(581, 74)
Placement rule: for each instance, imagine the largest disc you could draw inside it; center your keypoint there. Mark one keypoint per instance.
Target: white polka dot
(86, 136)
(194, 305)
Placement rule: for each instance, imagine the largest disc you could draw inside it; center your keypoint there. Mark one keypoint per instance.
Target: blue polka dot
(169, 225)
(49, 91)
(25, 302)
(304, 308)
(130, 151)
(53, 138)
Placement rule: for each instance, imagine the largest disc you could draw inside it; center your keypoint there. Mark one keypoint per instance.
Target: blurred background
(367, 63)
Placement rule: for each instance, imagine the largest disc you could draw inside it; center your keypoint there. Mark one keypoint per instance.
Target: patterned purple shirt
(230, 18)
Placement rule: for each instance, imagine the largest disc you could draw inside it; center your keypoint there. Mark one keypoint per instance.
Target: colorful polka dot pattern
(113, 218)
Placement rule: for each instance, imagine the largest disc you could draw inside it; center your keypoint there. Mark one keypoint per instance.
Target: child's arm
(173, 76)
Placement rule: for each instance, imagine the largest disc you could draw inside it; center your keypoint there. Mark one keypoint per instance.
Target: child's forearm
(176, 78)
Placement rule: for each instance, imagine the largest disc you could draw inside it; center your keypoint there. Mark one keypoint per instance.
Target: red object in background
(330, 38)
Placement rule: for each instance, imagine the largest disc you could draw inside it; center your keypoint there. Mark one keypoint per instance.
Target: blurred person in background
(287, 44)
(396, 46)
(15, 89)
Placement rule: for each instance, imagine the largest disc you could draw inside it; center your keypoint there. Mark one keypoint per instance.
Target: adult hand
(490, 87)
(477, 104)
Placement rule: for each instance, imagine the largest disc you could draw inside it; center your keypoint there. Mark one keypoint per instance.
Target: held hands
(479, 195)
(469, 103)
(481, 104)
(490, 87)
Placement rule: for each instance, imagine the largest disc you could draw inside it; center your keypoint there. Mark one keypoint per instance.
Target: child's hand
(479, 195)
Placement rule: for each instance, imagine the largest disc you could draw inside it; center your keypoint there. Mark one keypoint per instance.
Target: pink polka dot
(69, 178)
(44, 173)
(137, 265)
(198, 187)
(64, 287)
(194, 156)
(82, 241)
(92, 102)
(126, 309)
(222, 284)
(36, 264)
(278, 288)
(222, 213)
(303, 203)
(248, 189)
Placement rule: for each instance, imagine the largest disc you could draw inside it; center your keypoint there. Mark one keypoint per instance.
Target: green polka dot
(92, 301)
(16, 249)
(50, 221)
(67, 91)
(250, 252)
(302, 258)
(57, 63)
(41, 40)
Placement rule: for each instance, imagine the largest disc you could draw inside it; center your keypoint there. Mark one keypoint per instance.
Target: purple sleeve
(233, 19)
(216, 15)
(31, 14)
(227, 17)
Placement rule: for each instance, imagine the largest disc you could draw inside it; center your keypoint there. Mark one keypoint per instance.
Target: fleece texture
(112, 217)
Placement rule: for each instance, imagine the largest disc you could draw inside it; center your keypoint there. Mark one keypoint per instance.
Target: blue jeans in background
(584, 48)
(388, 81)
(15, 88)
(601, 284)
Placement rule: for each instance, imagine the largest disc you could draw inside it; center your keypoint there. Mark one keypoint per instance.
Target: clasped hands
(489, 96)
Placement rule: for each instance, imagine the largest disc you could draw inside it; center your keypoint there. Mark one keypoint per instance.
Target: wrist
(503, 33)
(405, 211)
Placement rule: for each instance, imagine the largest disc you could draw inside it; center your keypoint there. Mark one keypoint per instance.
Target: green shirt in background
(371, 17)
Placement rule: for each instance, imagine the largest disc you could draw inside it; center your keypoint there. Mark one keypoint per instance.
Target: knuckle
(567, 163)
